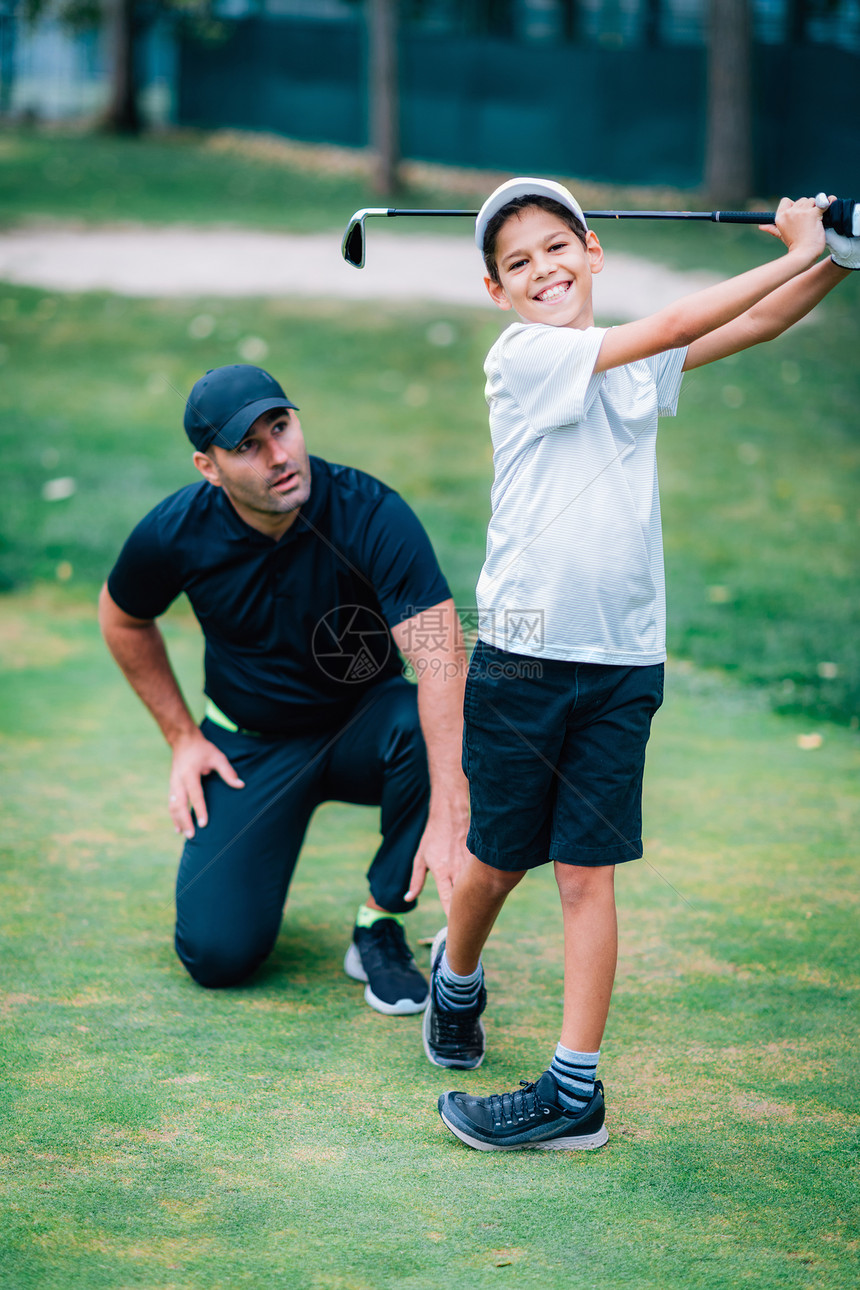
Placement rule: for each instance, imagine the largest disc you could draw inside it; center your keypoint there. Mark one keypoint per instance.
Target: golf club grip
(829, 219)
(744, 217)
(713, 217)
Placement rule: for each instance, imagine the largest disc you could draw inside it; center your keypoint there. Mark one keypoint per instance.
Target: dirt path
(189, 262)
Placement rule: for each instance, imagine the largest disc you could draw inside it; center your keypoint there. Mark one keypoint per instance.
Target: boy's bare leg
(590, 952)
(479, 893)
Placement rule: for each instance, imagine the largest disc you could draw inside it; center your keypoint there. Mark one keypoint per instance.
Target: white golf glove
(844, 251)
(843, 240)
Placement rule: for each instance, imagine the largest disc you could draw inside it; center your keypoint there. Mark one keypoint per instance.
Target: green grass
(283, 1134)
(195, 178)
(759, 472)
(162, 1136)
(178, 178)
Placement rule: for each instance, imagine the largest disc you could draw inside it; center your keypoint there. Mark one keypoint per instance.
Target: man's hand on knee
(193, 757)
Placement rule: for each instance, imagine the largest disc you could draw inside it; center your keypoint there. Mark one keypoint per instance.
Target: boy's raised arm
(770, 317)
(798, 224)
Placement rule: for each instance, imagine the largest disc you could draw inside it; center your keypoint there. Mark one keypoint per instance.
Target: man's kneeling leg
(234, 874)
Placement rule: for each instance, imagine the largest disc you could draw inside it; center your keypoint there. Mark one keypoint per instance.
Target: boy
(568, 669)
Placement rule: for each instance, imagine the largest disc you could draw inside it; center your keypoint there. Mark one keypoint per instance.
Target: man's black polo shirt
(296, 630)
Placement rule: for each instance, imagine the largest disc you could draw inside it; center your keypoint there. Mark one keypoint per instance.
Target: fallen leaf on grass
(504, 1258)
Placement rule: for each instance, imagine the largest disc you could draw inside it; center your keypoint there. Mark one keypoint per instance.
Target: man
(306, 579)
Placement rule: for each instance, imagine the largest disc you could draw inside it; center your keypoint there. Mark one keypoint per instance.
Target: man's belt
(214, 713)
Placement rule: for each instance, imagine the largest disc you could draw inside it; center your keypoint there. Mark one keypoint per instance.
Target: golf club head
(352, 246)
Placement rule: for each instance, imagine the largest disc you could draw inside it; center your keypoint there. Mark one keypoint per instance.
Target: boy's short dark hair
(514, 207)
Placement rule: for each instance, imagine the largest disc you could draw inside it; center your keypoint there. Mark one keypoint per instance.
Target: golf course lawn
(285, 1134)
(760, 471)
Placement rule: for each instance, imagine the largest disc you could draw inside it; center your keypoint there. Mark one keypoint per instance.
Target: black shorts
(554, 753)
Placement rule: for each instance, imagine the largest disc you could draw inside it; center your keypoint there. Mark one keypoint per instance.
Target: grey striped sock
(574, 1073)
(457, 993)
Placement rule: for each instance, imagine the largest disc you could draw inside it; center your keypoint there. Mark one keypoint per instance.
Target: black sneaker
(452, 1038)
(530, 1117)
(380, 956)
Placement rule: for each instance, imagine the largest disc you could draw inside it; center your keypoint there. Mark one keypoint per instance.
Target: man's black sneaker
(452, 1037)
(530, 1117)
(380, 956)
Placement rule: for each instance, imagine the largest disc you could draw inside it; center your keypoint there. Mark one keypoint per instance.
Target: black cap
(226, 402)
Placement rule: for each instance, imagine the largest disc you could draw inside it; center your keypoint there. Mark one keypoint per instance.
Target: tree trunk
(795, 22)
(121, 115)
(7, 59)
(729, 165)
(384, 96)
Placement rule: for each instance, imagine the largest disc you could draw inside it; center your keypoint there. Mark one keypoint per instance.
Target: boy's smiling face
(544, 270)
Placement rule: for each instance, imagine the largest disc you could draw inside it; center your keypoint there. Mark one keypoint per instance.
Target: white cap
(514, 188)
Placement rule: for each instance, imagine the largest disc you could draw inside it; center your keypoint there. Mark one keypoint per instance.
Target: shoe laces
(525, 1103)
(453, 1023)
(390, 931)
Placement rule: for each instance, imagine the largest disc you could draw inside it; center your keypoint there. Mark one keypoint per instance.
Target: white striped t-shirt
(574, 566)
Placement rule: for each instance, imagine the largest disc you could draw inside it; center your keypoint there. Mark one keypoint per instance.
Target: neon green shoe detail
(366, 916)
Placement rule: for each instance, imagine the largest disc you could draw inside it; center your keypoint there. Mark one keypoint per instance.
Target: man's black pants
(234, 874)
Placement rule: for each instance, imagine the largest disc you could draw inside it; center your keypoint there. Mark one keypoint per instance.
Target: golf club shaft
(715, 217)
(353, 244)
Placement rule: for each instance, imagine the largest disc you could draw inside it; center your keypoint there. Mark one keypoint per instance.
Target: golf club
(353, 245)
